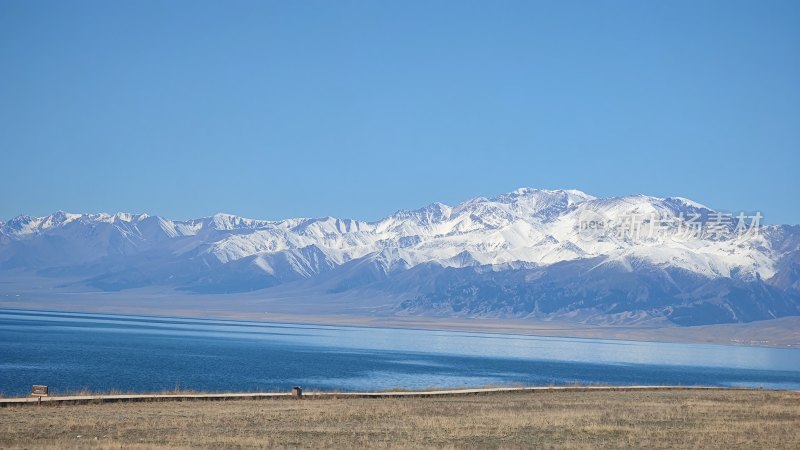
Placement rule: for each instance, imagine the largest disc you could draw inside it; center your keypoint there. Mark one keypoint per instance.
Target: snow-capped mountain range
(528, 253)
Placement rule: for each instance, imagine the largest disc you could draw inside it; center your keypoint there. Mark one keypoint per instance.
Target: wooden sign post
(38, 390)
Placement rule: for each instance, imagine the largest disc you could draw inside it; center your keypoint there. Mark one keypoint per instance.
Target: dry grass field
(559, 419)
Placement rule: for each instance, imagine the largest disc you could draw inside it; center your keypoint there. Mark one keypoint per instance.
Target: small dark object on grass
(297, 392)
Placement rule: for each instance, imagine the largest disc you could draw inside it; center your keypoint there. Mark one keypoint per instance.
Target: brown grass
(587, 419)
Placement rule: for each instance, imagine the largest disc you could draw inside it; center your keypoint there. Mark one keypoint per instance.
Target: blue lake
(102, 352)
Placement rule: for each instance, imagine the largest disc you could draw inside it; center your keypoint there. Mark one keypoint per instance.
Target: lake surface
(102, 352)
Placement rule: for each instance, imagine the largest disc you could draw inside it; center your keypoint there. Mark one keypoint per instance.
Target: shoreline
(314, 395)
(777, 333)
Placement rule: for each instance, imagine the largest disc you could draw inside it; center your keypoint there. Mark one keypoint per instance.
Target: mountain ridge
(509, 255)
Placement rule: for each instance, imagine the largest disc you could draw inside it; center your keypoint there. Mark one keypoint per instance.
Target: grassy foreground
(552, 419)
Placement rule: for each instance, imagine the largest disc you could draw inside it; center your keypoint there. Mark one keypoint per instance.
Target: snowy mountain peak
(24, 225)
(434, 213)
(229, 222)
(573, 195)
(542, 203)
(685, 202)
(128, 217)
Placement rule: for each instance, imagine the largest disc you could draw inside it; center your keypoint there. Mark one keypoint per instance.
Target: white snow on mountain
(535, 226)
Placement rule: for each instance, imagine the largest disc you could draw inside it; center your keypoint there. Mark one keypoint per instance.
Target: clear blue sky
(355, 109)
